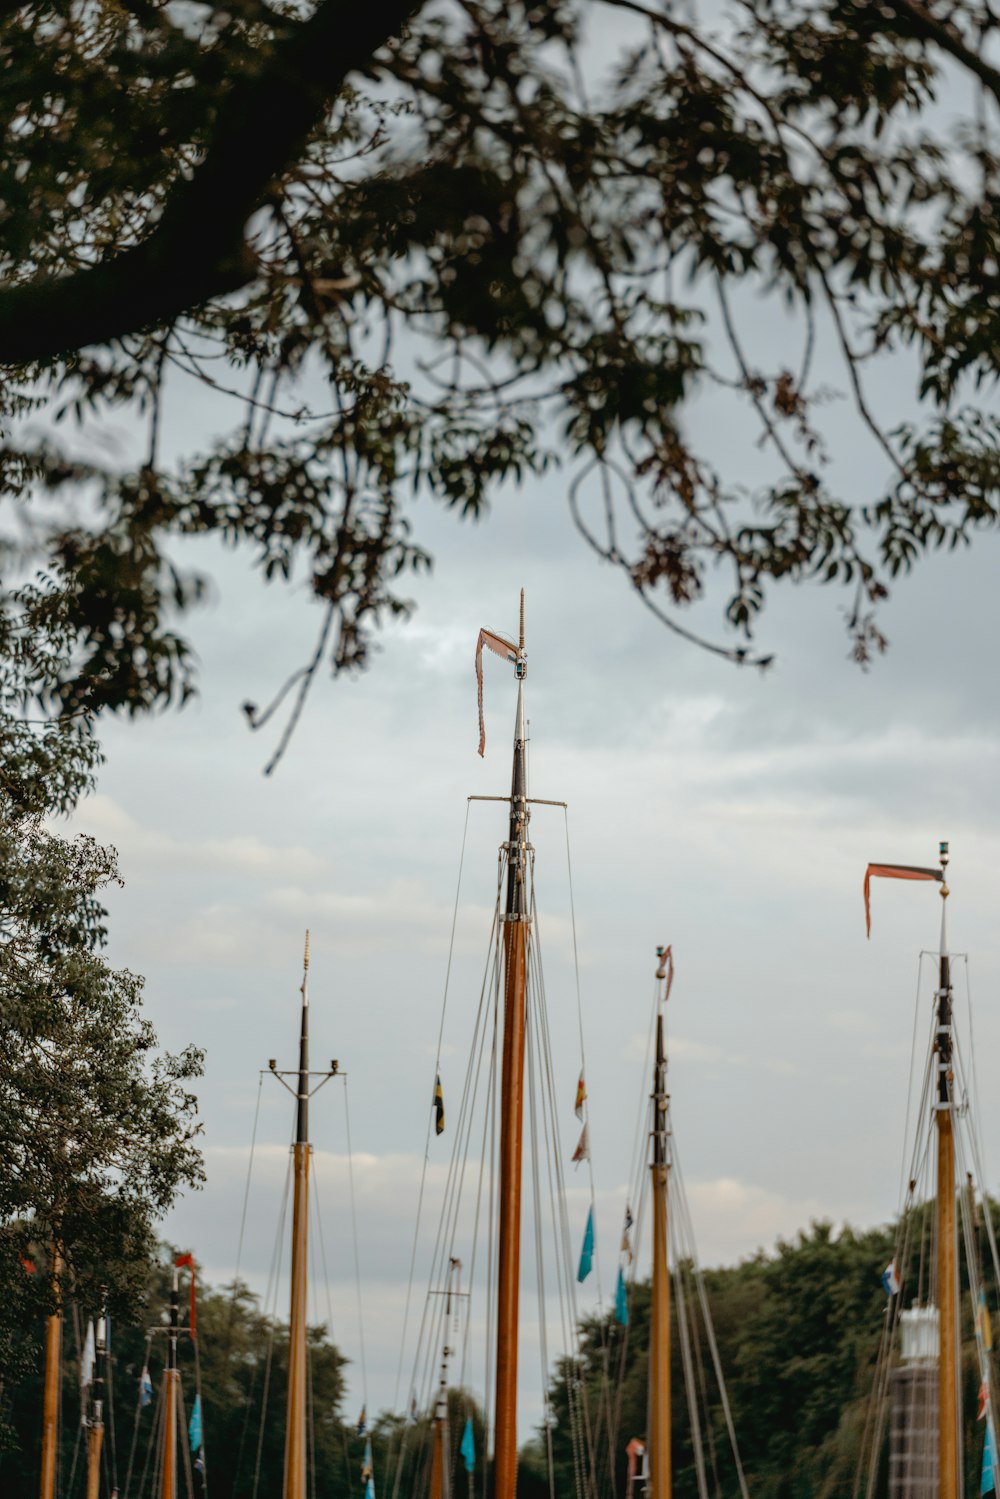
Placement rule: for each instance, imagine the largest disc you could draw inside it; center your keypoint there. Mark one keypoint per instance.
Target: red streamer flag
(894, 872)
(187, 1261)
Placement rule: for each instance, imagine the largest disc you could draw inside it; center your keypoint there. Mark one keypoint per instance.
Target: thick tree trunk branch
(197, 248)
(921, 22)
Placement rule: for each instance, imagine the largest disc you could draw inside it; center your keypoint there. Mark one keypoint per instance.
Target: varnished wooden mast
(947, 1271)
(659, 1342)
(50, 1404)
(516, 920)
(171, 1377)
(95, 1425)
(295, 1424)
(439, 1460)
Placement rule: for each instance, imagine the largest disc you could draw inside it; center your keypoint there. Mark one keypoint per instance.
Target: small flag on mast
(582, 1151)
(988, 1478)
(984, 1400)
(895, 872)
(890, 1279)
(468, 1446)
(983, 1326)
(581, 1097)
(194, 1425)
(508, 651)
(88, 1358)
(438, 1106)
(626, 1247)
(621, 1300)
(187, 1261)
(145, 1388)
(587, 1251)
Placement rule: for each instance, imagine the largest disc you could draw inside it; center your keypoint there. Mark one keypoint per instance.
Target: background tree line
(797, 1327)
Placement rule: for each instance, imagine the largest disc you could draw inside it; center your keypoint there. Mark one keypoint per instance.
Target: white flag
(88, 1359)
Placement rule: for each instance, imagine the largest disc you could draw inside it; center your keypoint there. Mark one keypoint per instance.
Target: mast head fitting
(272, 1062)
(943, 853)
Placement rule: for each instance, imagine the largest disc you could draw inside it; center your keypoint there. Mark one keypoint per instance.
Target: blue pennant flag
(194, 1425)
(988, 1481)
(587, 1252)
(468, 1446)
(621, 1300)
(145, 1389)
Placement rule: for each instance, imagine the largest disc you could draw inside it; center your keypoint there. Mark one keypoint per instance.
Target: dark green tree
(97, 1126)
(427, 249)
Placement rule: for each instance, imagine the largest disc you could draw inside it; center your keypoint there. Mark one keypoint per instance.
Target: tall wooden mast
(295, 1427)
(95, 1423)
(947, 1271)
(659, 1340)
(439, 1460)
(171, 1403)
(516, 930)
(53, 1371)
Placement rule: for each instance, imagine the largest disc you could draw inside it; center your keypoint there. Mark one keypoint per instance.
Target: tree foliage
(418, 249)
(798, 1331)
(98, 1126)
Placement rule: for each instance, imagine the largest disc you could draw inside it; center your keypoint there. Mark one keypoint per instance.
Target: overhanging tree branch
(197, 249)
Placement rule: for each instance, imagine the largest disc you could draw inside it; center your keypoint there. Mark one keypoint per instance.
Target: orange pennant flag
(500, 646)
(894, 872)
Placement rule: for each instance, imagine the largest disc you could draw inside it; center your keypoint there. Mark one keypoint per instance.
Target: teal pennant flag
(468, 1447)
(194, 1425)
(621, 1300)
(988, 1481)
(587, 1252)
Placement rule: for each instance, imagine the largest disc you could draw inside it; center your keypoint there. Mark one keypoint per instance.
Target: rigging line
(354, 1236)
(559, 1196)
(456, 1169)
(576, 959)
(909, 1090)
(463, 1131)
(876, 1405)
(605, 1356)
(478, 1210)
(699, 1280)
(427, 1140)
(246, 1188)
(549, 1117)
(563, 1264)
(138, 1408)
(270, 1306)
(979, 1135)
(530, 1049)
(185, 1446)
(153, 1449)
(689, 1387)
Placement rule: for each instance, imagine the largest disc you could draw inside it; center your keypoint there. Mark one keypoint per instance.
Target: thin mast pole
(295, 1420)
(439, 1463)
(515, 946)
(95, 1425)
(168, 1470)
(50, 1406)
(659, 1350)
(947, 1257)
